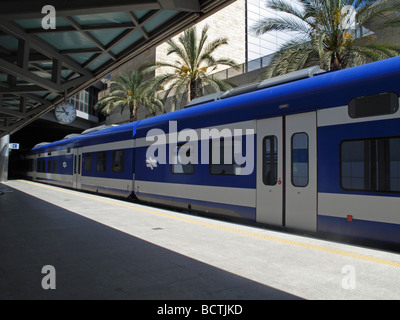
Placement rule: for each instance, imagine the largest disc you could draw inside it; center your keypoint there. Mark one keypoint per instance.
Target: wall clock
(65, 113)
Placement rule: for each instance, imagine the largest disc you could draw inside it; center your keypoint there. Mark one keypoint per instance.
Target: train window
(101, 161)
(394, 158)
(48, 165)
(376, 105)
(87, 162)
(118, 160)
(270, 160)
(43, 166)
(223, 156)
(54, 166)
(300, 159)
(182, 159)
(370, 165)
(352, 165)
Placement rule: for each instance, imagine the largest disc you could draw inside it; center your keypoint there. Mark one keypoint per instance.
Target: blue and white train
(310, 151)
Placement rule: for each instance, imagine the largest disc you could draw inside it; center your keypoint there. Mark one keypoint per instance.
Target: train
(311, 151)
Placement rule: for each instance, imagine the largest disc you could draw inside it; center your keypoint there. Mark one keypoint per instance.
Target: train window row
(100, 161)
(226, 154)
(49, 166)
(224, 157)
(370, 165)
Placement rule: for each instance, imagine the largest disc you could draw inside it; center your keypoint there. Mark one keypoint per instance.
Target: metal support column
(4, 143)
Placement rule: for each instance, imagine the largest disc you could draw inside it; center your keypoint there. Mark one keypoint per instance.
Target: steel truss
(35, 75)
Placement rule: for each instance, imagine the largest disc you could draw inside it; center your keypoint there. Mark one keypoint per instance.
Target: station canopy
(40, 67)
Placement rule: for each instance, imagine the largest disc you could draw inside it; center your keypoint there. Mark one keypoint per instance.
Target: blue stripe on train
(106, 190)
(248, 213)
(369, 230)
(54, 181)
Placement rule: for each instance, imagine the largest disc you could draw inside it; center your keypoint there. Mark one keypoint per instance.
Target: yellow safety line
(210, 225)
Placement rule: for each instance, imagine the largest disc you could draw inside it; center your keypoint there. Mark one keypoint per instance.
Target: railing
(244, 68)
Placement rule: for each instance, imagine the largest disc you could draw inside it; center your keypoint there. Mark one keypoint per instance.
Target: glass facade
(266, 44)
(85, 100)
(81, 101)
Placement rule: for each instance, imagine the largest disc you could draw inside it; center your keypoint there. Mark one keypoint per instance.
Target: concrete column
(4, 142)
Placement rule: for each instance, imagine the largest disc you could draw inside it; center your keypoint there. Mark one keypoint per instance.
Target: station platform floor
(103, 248)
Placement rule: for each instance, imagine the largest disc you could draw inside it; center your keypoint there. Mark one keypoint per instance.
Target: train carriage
(314, 151)
(100, 161)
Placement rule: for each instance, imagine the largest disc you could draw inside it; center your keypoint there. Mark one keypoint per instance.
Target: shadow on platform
(94, 261)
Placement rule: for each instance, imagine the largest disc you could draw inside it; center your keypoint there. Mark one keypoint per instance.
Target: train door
(269, 208)
(301, 171)
(287, 171)
(77, 174)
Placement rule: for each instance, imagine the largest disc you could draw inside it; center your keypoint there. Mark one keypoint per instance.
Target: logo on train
(230, 149)
(151, 163)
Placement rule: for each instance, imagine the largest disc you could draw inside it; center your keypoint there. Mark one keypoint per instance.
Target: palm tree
(191, 77)
(132, 91)
(330, 33)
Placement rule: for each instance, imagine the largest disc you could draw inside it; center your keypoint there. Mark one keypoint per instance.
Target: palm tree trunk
(133, 112)
(336, 62)
(193, 94)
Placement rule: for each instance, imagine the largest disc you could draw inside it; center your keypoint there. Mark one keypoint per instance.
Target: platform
(102, 248)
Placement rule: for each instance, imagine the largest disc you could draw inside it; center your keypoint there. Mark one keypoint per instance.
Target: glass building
(266, 44)
(84, 103)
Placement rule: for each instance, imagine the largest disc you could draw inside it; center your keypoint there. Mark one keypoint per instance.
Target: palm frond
(281, 24)
(127, 91)
(328, 33)
(378, 9)
(174, 48)
(285, 7)
(195, 60)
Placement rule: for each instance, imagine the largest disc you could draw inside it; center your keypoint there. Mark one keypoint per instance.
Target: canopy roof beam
(12, 10)
(41, 67)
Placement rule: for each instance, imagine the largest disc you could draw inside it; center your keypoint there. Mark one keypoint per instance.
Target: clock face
(65, 113)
